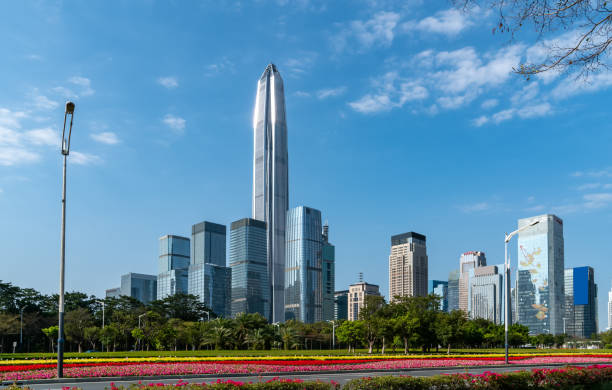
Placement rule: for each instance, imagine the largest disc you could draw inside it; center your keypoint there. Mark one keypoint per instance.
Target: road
(341, 377)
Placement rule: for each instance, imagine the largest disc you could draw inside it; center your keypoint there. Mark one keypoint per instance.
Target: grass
(244, 353)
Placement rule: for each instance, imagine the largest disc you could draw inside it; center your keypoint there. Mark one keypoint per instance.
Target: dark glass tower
(271, 179)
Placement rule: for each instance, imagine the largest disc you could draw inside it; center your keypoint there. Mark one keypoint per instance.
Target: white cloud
(296, 66)
(574, 85)
(224, 65)
(597, 200)
(377, 31)
(371, 104)
(534, 111)
(42, 102)
(10, 118)
(84, 83)
(526, 94)
(106, 137)
(448, 22)
(481, 120)
(489, 103)
(392, 91)
(16, 155)
(476, 207)
(44, 136)
(301, 94)
(84, 158)
(168, 82)
(607, 172)
(589, 186)
(175, 123)
(330, 92)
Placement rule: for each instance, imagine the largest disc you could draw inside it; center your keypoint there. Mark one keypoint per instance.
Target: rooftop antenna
(361, 277)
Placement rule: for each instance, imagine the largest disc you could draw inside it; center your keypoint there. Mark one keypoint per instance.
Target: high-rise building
(209, 277)
(249, 262)
(540, 282)
(113, 292)
(328, 276)
(485, 296)
(439, 288)
(303, 292)
(208, 243)
(356, 297)
(408, 265)
(580, 318)
(453, 290)
(341, 305)
(468, 261)
(610, 309)
(139, 286)
(271, 179)
(173, 265)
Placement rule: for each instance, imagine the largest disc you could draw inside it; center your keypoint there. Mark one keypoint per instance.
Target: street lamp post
(103, 305)
(65, 152)
(139, 317)
(507, 282)
(21, 329)
(333, 322)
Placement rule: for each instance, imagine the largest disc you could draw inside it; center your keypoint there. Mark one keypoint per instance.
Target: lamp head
(534, 223)
(69, 107)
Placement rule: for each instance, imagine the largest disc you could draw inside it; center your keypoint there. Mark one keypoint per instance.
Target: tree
(109, 335)
(76, 322)
(287, 335)
(186, 307)
(51, 333)
(369, 314)
(585, 45)
(518, 335)
(351, 333)
(92, 335)
(450, 328)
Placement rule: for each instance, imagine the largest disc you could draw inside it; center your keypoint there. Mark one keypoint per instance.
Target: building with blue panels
(173, 264)
(439, 288)
(580, 318)
(341, 305)
(485, 294)
(328, 276)
(139, 286)
(208, 243)
(303, 267)
(248, 260)
(453, 290)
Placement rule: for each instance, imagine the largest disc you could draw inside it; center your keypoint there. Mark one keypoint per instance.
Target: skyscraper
(209, 277)
(439, 288)
(540, 282)
(303, 292)
(328, 276)
(173, 265)
(139, 286)
(485, 289)
(356, 297)
(468, 261)
(408, 265)
(248, 260)
(610, 309)
(271, 179)
(580, 318)
(341, 305)
(453, 290)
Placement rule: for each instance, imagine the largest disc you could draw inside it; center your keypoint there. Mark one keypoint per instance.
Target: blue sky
(402, 116)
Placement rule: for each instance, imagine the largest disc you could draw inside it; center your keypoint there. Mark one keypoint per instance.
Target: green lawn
(240, 353)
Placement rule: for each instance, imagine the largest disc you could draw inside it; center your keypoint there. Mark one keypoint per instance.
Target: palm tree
(219, 333)
(287, 334)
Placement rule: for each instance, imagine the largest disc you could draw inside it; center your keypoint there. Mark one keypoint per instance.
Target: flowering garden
(35, 369)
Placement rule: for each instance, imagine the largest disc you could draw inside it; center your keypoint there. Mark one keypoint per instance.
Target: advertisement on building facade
(533, 258)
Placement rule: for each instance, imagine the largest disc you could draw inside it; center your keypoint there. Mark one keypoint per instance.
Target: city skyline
(527, 164)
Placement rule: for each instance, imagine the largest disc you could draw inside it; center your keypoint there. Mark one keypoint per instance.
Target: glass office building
(485, 294)
(271, 179)
(328, 277)
(341, 305)
(439, 288)
(580, 318)
(303, 292)
(540, 284)
(453, 290)
(173, 264)
(208, 243)
(140, 286)
(248, 261)
(113, 292)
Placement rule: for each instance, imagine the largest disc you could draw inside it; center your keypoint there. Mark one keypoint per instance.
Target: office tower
(303, 292)
(469, 260)
(113, 292)
(453, 290)
(139, 286)
(271, 179)
(610, 309)
(513, 306)
(208, 243)
(341, 305)
(249, 262)
(209, 278)
(173, 264)
(580, 318)
(328, 276)
(408, 265)
(540, 281)
(439, 288)
(356, 297)
(485, 286)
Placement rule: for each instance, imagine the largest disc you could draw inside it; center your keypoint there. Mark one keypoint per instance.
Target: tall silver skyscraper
(271, 179)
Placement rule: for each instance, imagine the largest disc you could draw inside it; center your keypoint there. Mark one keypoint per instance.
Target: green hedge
(572, 378)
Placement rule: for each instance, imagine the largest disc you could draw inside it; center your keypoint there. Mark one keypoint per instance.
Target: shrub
(273, 384)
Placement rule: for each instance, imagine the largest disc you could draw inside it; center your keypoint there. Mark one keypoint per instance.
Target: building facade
(328, 276)
(208, 243)
(303, 268)
(113, 292)
(439, 288)
(249, 262)
(485, 292)
(468, 261)
(271, 179)
(580, 318)
(341, 305)
(356, 298)
(610, 309)
(408, 265)
(540, 282)
(453, 290)
(140, 286)
(173, 263)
